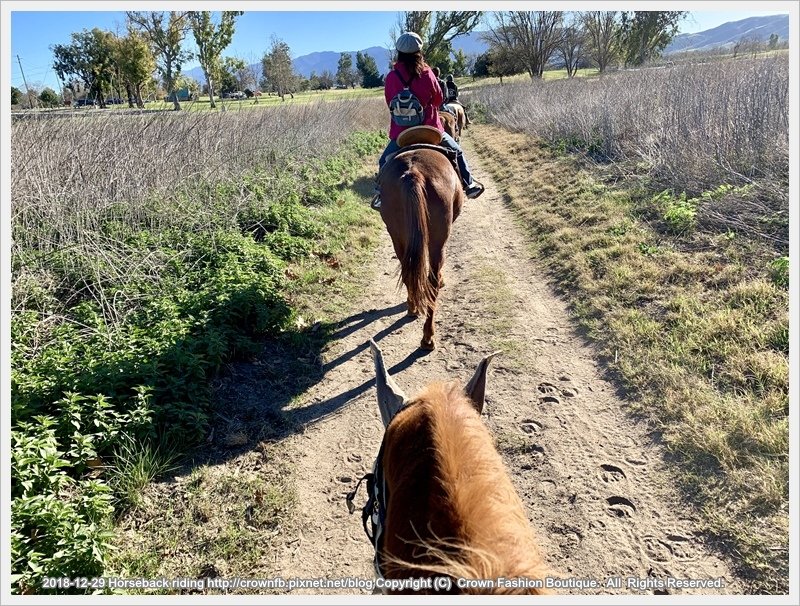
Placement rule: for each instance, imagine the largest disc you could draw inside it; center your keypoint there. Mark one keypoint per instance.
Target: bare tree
(277, 68)
(572, 47)
(601, 36)
(532, 35)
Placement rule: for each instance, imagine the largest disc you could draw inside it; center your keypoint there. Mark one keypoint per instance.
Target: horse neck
(449, 489)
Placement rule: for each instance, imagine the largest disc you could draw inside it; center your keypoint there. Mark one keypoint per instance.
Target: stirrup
(375, 204)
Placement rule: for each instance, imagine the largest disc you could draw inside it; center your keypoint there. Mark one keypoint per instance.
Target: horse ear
(476, 388)
(390, 397)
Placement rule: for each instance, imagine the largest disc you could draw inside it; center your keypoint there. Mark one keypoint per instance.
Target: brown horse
(446, 502)
(421, 197)
(461, 116)
(450, 125)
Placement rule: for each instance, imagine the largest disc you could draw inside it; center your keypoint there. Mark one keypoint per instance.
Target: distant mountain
(730, 33)
(329, 60)
(318, 62)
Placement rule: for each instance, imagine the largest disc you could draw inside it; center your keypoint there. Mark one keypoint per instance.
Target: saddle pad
(419, 134)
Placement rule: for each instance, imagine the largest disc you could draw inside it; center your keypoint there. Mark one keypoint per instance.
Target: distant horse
(450, 125)
(421, 197)
(444, 503)
(461, 116)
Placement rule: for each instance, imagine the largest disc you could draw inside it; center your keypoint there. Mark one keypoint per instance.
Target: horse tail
(415, 265)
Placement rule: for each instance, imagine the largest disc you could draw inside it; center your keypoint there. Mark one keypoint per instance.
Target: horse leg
(435, 277)
(401, 254)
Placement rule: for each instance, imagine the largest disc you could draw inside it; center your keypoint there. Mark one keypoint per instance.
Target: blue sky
(32, 33)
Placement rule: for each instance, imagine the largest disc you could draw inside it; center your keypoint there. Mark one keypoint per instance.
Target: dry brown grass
(699, 334)
(693, 126)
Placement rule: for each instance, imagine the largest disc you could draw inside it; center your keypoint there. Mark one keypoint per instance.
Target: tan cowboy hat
(419, 134)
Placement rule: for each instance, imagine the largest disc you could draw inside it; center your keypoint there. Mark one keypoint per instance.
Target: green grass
(694, 322)
(100, 408)
(212, 520)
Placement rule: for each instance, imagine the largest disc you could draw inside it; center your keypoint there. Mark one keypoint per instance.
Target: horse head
(442, 506)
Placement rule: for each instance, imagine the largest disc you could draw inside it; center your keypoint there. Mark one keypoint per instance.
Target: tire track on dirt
(592, 478)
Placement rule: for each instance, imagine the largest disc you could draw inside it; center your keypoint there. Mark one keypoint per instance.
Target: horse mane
(494, 538)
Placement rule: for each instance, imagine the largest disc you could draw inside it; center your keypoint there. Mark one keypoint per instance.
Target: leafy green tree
(325, 80)
(165, 32)
(90, 58)
(211, 40)
(232, 73)
(345, 74)
(16, 96)
(483, 63)
(505, 62)
(773, 41)
(49, 98)
(277, 69)
(370, 77)
(460, 63)
(644, 34)
(136, 64)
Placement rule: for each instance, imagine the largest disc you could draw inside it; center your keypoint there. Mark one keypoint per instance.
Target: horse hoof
(412, 313)
(427, 345)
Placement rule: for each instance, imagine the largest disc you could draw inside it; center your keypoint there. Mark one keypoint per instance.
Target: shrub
(131, 293)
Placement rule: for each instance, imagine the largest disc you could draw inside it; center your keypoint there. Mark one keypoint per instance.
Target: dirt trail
(593, 480)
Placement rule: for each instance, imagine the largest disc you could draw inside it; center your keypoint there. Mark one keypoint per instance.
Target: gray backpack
(405, 108)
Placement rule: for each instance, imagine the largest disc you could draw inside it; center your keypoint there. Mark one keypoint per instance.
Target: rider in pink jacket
(423, 83)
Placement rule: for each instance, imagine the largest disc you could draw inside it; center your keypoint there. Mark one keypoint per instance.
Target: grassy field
(680, 276)
(185, 242)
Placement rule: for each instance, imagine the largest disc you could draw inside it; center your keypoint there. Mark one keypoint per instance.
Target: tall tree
(437, 30)
(370, 77)
(601, 36)
(49, 98)
(460, 65)
(571, 47)
(325, 79)
(531, 35)
(211, 40)
(644, 34)
(166, 32)
(504, 62)
(345, 74)
(136, 63)
(89, 58)
(16, 96)
(277, 68)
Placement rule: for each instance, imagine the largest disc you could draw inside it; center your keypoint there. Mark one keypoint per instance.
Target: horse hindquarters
(414, 259)
(418, 212)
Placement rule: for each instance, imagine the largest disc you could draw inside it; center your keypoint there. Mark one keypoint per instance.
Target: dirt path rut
(592, 478)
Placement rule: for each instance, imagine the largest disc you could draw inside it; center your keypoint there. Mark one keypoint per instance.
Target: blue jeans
(447, 141)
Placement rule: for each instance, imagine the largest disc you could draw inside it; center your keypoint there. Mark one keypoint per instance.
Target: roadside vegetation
(658, 200)
(148, 252)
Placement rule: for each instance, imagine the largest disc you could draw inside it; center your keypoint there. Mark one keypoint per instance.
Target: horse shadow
(257, 398)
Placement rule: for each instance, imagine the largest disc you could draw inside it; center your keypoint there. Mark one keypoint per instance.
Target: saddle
(448, 153)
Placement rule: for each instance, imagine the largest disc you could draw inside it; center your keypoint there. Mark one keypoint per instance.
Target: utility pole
(27, 91)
